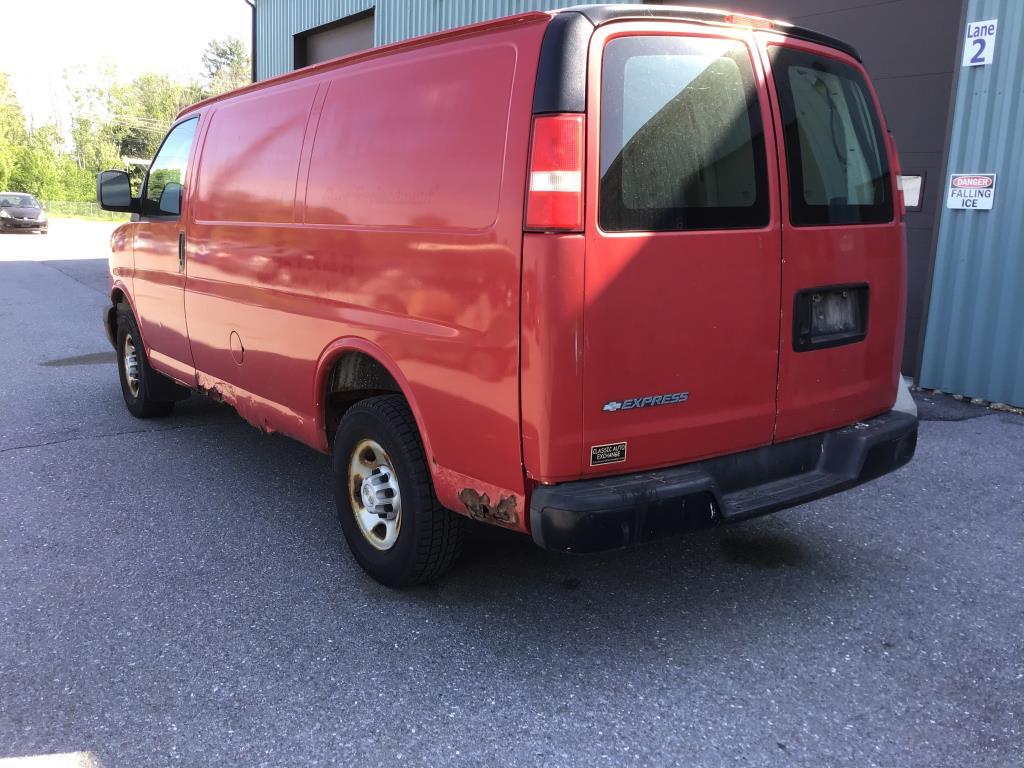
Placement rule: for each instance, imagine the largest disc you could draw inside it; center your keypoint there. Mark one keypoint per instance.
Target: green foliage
(227, 65)
(144, 108)
(13, 135)
(38, 168)
(113, 125)
(93, 144)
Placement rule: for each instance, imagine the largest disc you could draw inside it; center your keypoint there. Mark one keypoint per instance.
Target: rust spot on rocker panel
(247, 407)
(480, 508)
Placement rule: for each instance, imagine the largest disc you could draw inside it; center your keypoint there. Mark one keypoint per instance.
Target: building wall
(277, 21)
(975, 337)
(402, 19)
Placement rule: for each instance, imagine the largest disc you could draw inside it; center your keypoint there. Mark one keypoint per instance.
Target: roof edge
(369, 53)
(602, 14)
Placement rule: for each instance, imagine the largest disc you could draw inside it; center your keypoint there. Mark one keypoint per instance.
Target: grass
(69, 209)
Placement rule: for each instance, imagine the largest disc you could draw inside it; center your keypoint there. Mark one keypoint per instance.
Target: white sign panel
(971, 191)
(980, 43)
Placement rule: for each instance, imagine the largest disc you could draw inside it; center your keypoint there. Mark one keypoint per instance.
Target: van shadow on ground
(777, 569)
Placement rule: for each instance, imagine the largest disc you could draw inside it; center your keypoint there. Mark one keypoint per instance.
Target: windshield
(17, 201)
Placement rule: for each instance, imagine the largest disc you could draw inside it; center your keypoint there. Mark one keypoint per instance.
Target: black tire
(138, 397)
(429, 536)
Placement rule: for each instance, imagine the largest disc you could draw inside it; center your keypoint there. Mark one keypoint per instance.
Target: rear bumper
(615, 512)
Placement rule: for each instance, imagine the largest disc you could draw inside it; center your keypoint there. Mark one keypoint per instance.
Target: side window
(682, 141)
(835, 149)
(166, 178)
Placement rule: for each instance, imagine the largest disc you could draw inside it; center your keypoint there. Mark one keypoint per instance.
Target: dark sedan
(19, 211)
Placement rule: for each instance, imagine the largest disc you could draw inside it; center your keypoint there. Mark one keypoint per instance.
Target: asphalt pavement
(177, 592)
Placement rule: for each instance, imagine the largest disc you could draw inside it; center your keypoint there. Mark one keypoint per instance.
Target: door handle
(181, 251)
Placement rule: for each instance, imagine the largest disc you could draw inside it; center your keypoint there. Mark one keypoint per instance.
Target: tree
(13, 135)
(111, 122)
(227, 65)
(38, 169)
(94, 148)
(141, 111)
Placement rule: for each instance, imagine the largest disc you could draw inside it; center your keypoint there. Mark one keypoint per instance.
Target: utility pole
(252, 50)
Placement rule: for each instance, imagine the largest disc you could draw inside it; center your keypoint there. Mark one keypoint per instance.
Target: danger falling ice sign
(971, 191)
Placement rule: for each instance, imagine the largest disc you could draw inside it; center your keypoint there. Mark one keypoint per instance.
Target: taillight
(554, 200)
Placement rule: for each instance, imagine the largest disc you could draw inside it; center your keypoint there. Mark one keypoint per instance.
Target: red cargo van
(598, 276)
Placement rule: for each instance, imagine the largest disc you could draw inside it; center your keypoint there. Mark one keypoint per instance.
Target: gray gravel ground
(176, 592)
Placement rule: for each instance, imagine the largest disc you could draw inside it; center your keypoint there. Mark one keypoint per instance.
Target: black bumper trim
(619, 511)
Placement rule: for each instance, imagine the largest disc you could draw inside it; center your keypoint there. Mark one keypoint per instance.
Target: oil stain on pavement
(761, 551)
(93, 358)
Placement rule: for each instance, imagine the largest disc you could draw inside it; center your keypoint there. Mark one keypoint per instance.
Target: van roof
(569, 30)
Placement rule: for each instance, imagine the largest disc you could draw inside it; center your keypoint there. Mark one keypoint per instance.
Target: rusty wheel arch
(354, 376)
(117, 298)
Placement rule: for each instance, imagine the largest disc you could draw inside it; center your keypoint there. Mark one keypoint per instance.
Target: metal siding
(278, 20)
(974, 343)
(402, 19)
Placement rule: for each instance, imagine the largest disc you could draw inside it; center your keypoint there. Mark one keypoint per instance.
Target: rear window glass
(835, 149)
(682, 142)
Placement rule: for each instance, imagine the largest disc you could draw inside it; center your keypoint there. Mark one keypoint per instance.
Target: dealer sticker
(971, 191)
(610, 453)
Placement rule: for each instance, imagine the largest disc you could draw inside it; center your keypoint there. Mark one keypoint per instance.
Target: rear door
(682, 284)
(843, 275)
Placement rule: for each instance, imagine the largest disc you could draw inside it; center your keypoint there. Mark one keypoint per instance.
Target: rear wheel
(393, 523)
(138, 380)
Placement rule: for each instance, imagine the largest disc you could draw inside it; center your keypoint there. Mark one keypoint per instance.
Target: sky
(39, 39)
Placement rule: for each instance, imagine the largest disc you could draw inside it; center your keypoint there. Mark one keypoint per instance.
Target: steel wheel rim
(374, 494)
(131, 365)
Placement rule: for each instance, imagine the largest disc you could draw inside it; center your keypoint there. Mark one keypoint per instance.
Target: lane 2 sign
(971, 191)
(980, 43)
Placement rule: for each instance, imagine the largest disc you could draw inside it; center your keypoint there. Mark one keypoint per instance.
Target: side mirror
(114, 192)
(170, 198)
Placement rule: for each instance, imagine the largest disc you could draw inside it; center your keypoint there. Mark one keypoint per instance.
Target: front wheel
(393, 523)
(137, 379)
